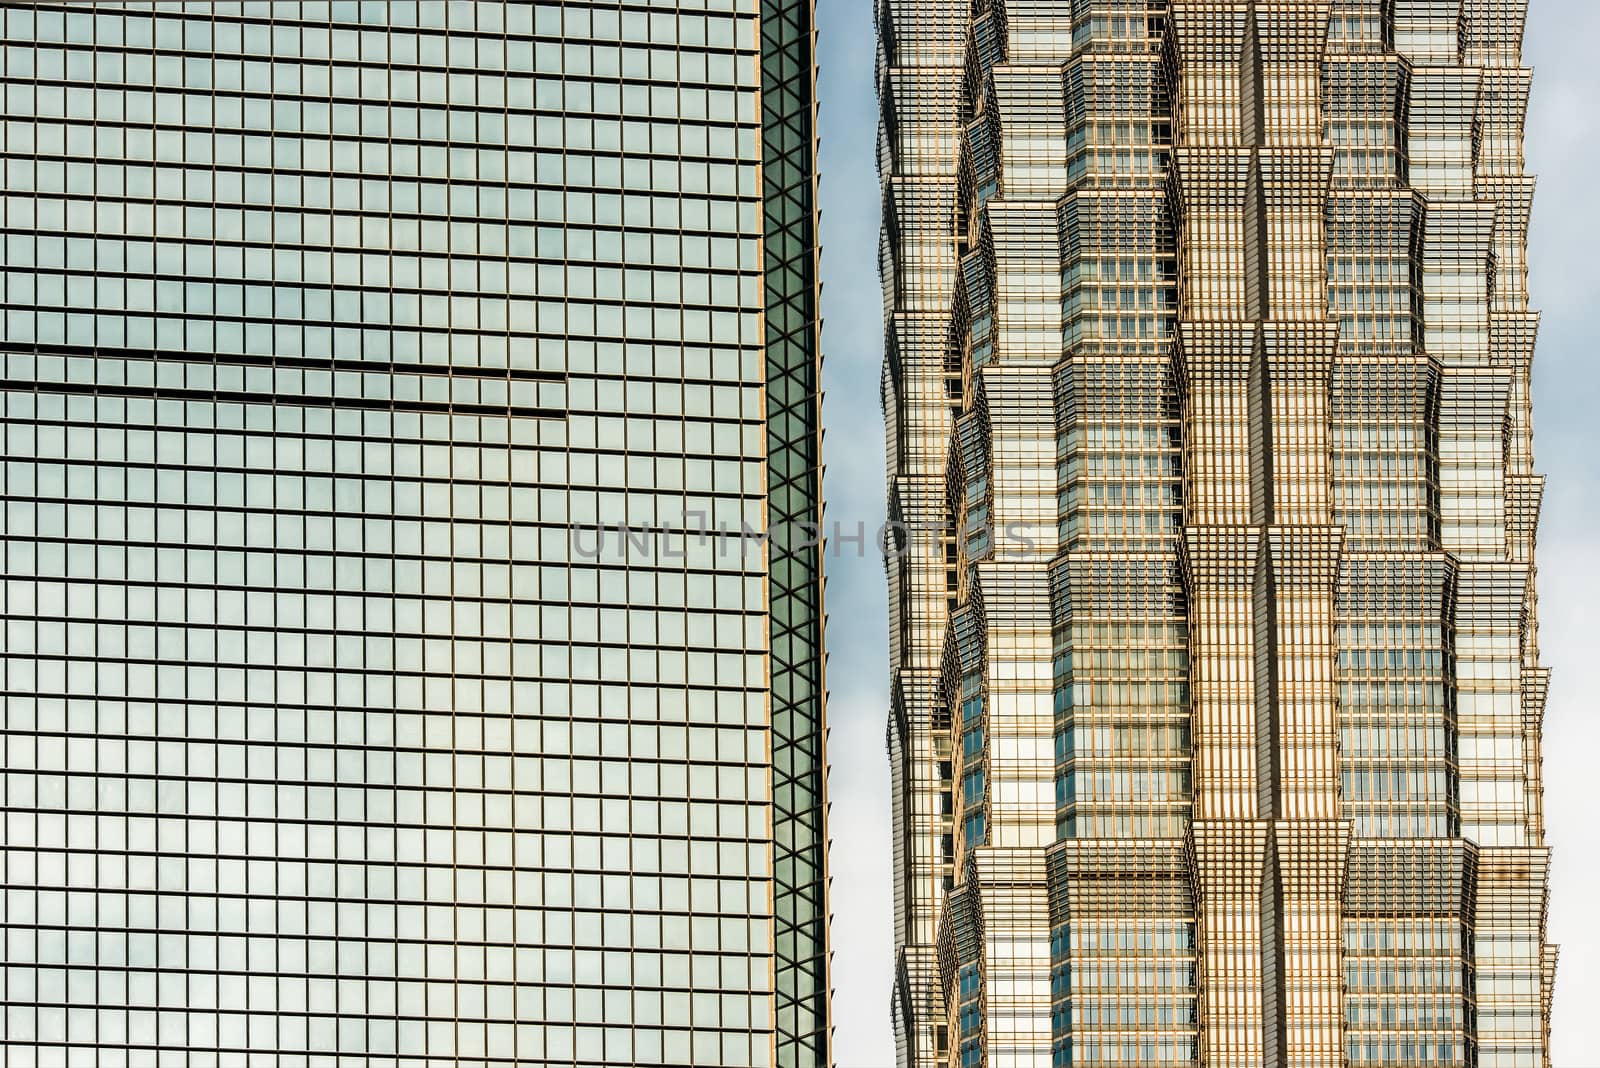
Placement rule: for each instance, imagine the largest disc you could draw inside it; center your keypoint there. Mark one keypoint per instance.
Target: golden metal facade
(1217, 691)
(921, 44)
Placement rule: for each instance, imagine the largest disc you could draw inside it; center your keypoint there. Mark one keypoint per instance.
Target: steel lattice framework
(794, 506)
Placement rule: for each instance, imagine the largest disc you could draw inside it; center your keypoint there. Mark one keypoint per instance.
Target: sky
(1564, 151)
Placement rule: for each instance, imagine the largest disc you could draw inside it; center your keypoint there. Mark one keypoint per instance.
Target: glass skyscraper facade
(1217, 696)
(369, 696)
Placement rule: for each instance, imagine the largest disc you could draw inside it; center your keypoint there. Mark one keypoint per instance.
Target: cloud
(853, 450)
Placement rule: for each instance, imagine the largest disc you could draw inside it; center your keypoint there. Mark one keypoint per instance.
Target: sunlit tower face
(1216, 676)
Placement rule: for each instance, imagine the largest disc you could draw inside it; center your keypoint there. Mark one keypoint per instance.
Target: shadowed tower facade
(1217, 696)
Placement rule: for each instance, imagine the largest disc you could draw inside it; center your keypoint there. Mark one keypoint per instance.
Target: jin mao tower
(1216, 685)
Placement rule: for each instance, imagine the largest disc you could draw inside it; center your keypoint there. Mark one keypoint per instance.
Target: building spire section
(1293, 649)
(920, 75)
